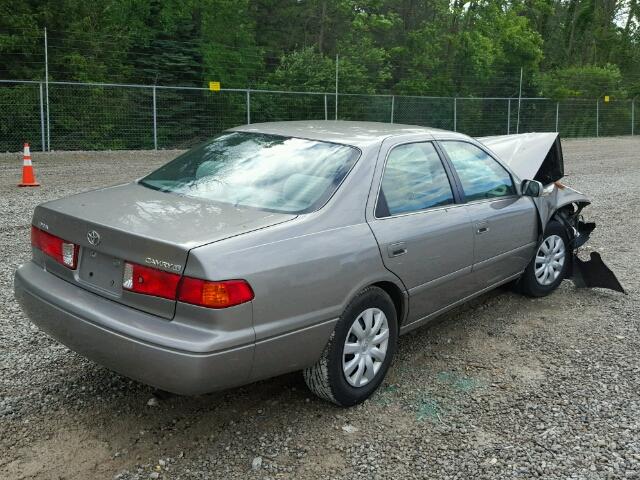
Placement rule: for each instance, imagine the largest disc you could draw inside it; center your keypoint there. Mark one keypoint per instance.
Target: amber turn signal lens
(222, 294)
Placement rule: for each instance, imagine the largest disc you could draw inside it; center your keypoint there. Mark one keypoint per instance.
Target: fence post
(519, 103)
(46, 79)
(42, 118)
(337, 58)
(597, 118)
(557, 114)
(393, 102)
(248, 106)
(326, 112)
(155, 121)
(455, 114)
(633, 116)
(508, 116)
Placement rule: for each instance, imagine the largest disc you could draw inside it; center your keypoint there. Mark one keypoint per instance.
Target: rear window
(270, 172)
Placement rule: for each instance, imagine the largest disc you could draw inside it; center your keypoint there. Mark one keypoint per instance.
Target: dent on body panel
(559, 196)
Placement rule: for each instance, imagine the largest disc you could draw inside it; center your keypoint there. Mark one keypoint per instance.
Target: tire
(555, 240)
(328, 378)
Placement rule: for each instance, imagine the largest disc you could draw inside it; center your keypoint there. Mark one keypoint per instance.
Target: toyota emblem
(93, 237)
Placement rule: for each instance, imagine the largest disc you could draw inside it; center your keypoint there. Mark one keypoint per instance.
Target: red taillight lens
(60, 250)
(214, 294)
(150, 281)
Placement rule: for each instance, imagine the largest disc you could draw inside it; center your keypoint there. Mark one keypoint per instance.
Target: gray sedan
(306, 246)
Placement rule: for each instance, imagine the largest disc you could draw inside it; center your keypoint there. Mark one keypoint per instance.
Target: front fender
(559, 196)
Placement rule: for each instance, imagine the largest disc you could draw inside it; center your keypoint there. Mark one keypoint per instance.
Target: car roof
(340, 131)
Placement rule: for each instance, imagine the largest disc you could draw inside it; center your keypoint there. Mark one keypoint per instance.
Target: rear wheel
(359, 352)
(550, 264)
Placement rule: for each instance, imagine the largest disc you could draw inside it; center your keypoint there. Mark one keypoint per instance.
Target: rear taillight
(151, 281)
(62, 251)
(214, 294)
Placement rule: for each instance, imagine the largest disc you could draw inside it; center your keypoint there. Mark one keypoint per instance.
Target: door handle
(396, 249)
(482, 227)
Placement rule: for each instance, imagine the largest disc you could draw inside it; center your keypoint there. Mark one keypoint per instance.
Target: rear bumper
(91, 325)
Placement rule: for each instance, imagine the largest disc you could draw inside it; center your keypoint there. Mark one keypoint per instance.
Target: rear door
(424, 233)
(504, 223)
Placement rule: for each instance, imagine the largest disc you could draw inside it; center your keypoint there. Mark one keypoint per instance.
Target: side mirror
(532, 188)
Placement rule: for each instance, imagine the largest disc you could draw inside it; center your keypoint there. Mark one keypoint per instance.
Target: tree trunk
(323, 17)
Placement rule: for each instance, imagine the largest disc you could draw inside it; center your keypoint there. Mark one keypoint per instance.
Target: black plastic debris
(594, 273)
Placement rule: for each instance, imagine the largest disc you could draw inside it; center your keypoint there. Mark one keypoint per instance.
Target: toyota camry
(300, 246)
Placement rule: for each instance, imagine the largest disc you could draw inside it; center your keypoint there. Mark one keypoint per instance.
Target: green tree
(587, 81)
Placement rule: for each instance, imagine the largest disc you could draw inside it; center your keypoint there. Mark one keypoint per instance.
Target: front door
(425, 235)
(505, 224)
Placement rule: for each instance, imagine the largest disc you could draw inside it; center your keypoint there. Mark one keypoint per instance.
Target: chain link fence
(83, 116)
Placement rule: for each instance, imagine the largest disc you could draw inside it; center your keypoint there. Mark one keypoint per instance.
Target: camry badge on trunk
(93, 237)
(162, 264)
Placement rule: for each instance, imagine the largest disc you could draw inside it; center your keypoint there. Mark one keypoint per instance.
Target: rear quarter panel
(302, 285)
(298, 281)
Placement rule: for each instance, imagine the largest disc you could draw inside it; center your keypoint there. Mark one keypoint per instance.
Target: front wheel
(359, 352)
(550, 264)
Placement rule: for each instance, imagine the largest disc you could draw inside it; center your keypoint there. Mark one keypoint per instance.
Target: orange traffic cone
(28, 176)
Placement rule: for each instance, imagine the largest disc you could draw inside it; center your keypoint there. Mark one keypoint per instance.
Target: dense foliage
(566, 48)
(575, 52)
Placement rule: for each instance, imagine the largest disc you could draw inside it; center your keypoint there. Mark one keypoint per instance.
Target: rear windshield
(282, 174)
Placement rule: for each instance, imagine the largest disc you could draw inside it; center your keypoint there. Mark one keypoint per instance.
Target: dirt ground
(504, 387)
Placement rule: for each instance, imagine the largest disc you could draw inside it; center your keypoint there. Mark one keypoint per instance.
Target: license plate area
(101, 271)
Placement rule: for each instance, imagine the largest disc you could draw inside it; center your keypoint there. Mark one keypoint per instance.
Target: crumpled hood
(537, 156)
(533, 156)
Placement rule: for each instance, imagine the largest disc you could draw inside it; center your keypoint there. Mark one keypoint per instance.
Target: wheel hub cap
(365, 347)
(550, 259)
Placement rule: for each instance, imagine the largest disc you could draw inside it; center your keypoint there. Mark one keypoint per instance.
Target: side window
(414, 179)
(481, 176)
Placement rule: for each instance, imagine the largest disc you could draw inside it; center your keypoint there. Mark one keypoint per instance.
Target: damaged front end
(593, 272)
(538, 156)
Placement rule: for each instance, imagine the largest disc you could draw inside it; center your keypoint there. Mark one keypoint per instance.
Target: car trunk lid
(132, 223)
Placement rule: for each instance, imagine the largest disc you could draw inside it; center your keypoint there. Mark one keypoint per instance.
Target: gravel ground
(503, 387)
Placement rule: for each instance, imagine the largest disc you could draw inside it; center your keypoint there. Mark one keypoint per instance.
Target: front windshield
(282, 174)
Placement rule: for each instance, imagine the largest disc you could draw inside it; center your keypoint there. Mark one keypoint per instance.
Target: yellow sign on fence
(214, 86)
(606, 99)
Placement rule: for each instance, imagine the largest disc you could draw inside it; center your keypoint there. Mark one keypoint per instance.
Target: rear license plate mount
(101, 271)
